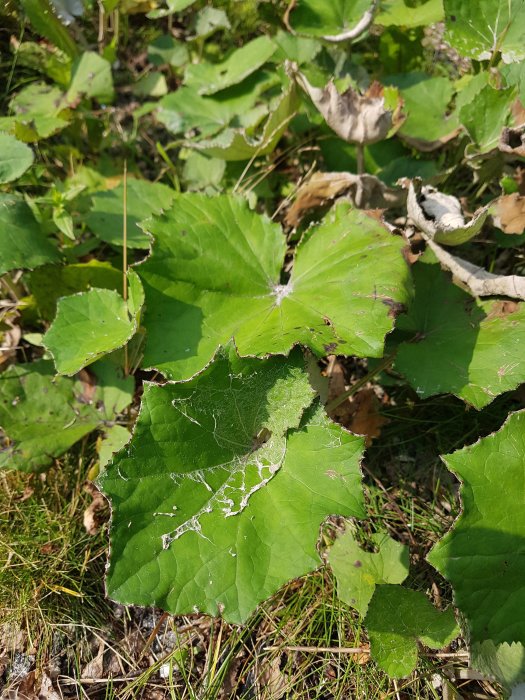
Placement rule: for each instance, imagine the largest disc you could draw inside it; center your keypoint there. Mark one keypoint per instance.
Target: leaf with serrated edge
(483, 556)
(457, 344)
(358, 572)
(143, 199)
(87, 326)
(218, 497)
(397, 619)
(214, 274)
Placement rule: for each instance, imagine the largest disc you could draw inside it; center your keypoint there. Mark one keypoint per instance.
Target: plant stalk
(384, 364)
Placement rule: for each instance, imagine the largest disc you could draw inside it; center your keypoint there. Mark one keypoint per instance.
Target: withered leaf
(513, 141)
(356, 118)
(509, 213)
(364, 191)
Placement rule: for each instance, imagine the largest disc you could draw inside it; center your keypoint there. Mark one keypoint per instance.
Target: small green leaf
(91, 77)
(209, 20)
(218, 497)
(398, 13)
(167, 50)
(209, 78)
(321, 18)
(214, 273)
(15, 158)
(42, 417)
(50, 282)
(143, 199)
(457, 344)
(495, 107)
(236, 145)
(184, 109)
(397, 619)
(23, 245)
(358, 572)
(87, 326)
(480, 29)
(39, 111)
(115, 438)
(114, 391)
(483, 555)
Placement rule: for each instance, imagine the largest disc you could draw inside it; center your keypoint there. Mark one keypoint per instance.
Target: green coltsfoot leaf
(397, 619)
(483, 556)
(457, 344)
(358, 572)
(215, 273)
(218, 497)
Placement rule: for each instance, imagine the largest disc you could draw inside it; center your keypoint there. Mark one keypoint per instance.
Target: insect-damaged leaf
(42, 416)
(397, 619)
(457, 344)
(483, 556)
(218, 497)
(215, 273)
(480, 29)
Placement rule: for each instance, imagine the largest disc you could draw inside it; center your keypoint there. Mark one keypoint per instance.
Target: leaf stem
(384, 364)
(125, 253)
(360, 158)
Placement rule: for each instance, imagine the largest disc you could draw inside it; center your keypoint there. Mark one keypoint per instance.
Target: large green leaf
(184, 110)
(208, 78)
(483, 556)
(504, 662)
(218, 497)
(358, 572)
(143, 199)
(427, 100)
(215, 273)
(480, 29)
(42, 416)
(23, 245)
(87, 326)
(15, 158)
(397, 619)
(237, 145)
(322, 18)
(457, 344)
(50, 282)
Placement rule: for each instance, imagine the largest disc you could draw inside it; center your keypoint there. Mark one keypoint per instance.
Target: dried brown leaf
(97, 513)
(271, 681)
(366, 419)
(364, 191)
(513, 141)
(440, 216)
(509, 213)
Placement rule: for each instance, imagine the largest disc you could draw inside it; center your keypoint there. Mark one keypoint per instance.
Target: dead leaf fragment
(97, 512)
(513, 141)
(509, 213)
(440, 216)
(366, 419)
(356, 118)
(364, 191)
(272, 683)
(478, 281)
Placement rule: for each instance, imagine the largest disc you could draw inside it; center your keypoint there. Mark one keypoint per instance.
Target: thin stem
(360, 158)
(385, 362)
(125, 253)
